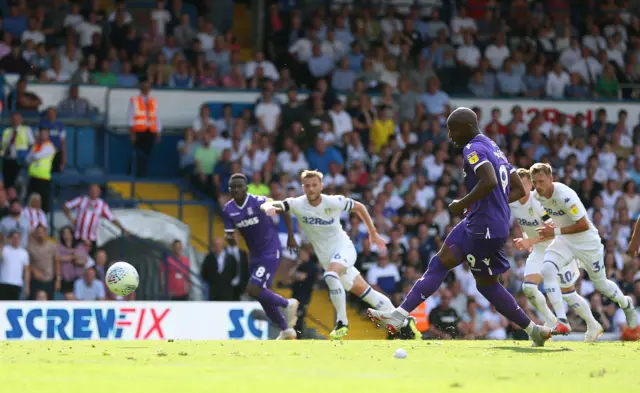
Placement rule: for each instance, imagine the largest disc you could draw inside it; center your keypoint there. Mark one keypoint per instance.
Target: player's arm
(635, 238)
(229, 229)
(364, 215)
(578, 214)
(517, 190)
(487, 181)
(280, 207)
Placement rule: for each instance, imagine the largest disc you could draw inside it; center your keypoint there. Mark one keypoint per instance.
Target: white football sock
(611, 290)
(581, 306)
(538, 301)
(337, 295)
(377, 300)
(552, 289)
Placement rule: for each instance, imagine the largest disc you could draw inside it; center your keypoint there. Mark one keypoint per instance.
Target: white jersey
(565, 208)
(530, 216)
(321, 224)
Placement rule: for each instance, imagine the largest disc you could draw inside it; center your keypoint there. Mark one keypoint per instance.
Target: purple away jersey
(259, 233)
(479, 238)
(489, 217)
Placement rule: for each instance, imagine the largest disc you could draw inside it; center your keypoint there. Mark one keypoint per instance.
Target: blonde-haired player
(319, 216)
(574, 236)
(530, 215)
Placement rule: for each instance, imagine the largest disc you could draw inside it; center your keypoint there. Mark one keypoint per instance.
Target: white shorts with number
(345, 254)
(563, 251)
(567, 275)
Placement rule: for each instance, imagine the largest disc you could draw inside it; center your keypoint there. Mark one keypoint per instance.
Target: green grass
(317, 366)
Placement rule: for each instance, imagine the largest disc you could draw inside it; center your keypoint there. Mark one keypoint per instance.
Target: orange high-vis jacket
(145, 115)
(422, 317)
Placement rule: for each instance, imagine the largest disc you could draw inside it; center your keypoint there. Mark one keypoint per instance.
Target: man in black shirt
(302, 288)
(409, 214)
(444, 319)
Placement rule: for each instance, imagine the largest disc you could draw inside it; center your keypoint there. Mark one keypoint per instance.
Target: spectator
(34, 214)
(219, 268)
(161, 16)
(73, 261)
(535, 82)
(497, 53)
(88, 288)
(40, 160)
(557, 81)
(74, 105)
(14, 62)
(468, 54)
(443, 319)
(4, 204)
(382, 128)
(435, 101)
(607, 85)
(89, 210)
(384, 277)
(257, 186)
(576, 89)
(320, 65)
(175, 274)
(182, 78)
(267, 67)
(587, 67)
(322, 156)
(16, 141)
(205, 160)
(44, 265)
(184, 33)
(268, 112)
(57, 135)
(344, 78)
(342, 123)
(509, 82)
(304, 279)
(87, 28)
(14, 268)
(34, 33)
(15, 221)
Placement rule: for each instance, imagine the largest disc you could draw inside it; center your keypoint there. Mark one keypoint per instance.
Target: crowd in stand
(389, 150)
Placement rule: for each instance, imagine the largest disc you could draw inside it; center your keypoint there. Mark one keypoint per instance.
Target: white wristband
(557, 231)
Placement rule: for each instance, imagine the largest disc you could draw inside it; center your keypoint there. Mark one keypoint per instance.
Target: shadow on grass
(532, 349)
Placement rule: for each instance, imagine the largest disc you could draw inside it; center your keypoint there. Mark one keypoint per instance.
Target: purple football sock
(505, 303)
(274, 313)
(271, 298)
(426, 285)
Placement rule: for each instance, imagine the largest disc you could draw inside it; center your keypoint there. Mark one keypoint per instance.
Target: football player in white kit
(319, 216)
(574, 236)
(530, 215)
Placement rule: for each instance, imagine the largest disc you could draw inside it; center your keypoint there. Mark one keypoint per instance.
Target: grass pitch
(317, 366)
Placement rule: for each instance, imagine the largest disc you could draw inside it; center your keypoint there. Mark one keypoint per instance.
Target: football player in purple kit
(243, 212)
(480, 237)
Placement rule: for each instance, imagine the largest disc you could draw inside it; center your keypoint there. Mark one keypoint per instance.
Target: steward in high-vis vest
(144, 127)
(40, 161)
(16, 141)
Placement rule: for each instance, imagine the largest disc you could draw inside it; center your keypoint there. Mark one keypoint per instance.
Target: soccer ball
(122, 279)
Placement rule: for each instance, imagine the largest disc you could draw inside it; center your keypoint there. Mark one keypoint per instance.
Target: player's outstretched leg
(422, 289)
(339, 299)
(506, 305)
(380, 302)
(538, 301)
(273, 304)
(611, 290)
(552, 288)
(581, 307)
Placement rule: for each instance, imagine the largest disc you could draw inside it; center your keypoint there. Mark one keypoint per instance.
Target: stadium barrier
(184, 104)
(131, 321)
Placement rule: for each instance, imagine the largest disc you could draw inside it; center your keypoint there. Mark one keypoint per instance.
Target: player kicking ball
(530, 214)
(480, 237)
(243, 212)
(319, 217)
(574, 236)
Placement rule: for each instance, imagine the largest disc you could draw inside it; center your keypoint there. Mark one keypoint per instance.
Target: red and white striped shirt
(35, 217)
(88, 214)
